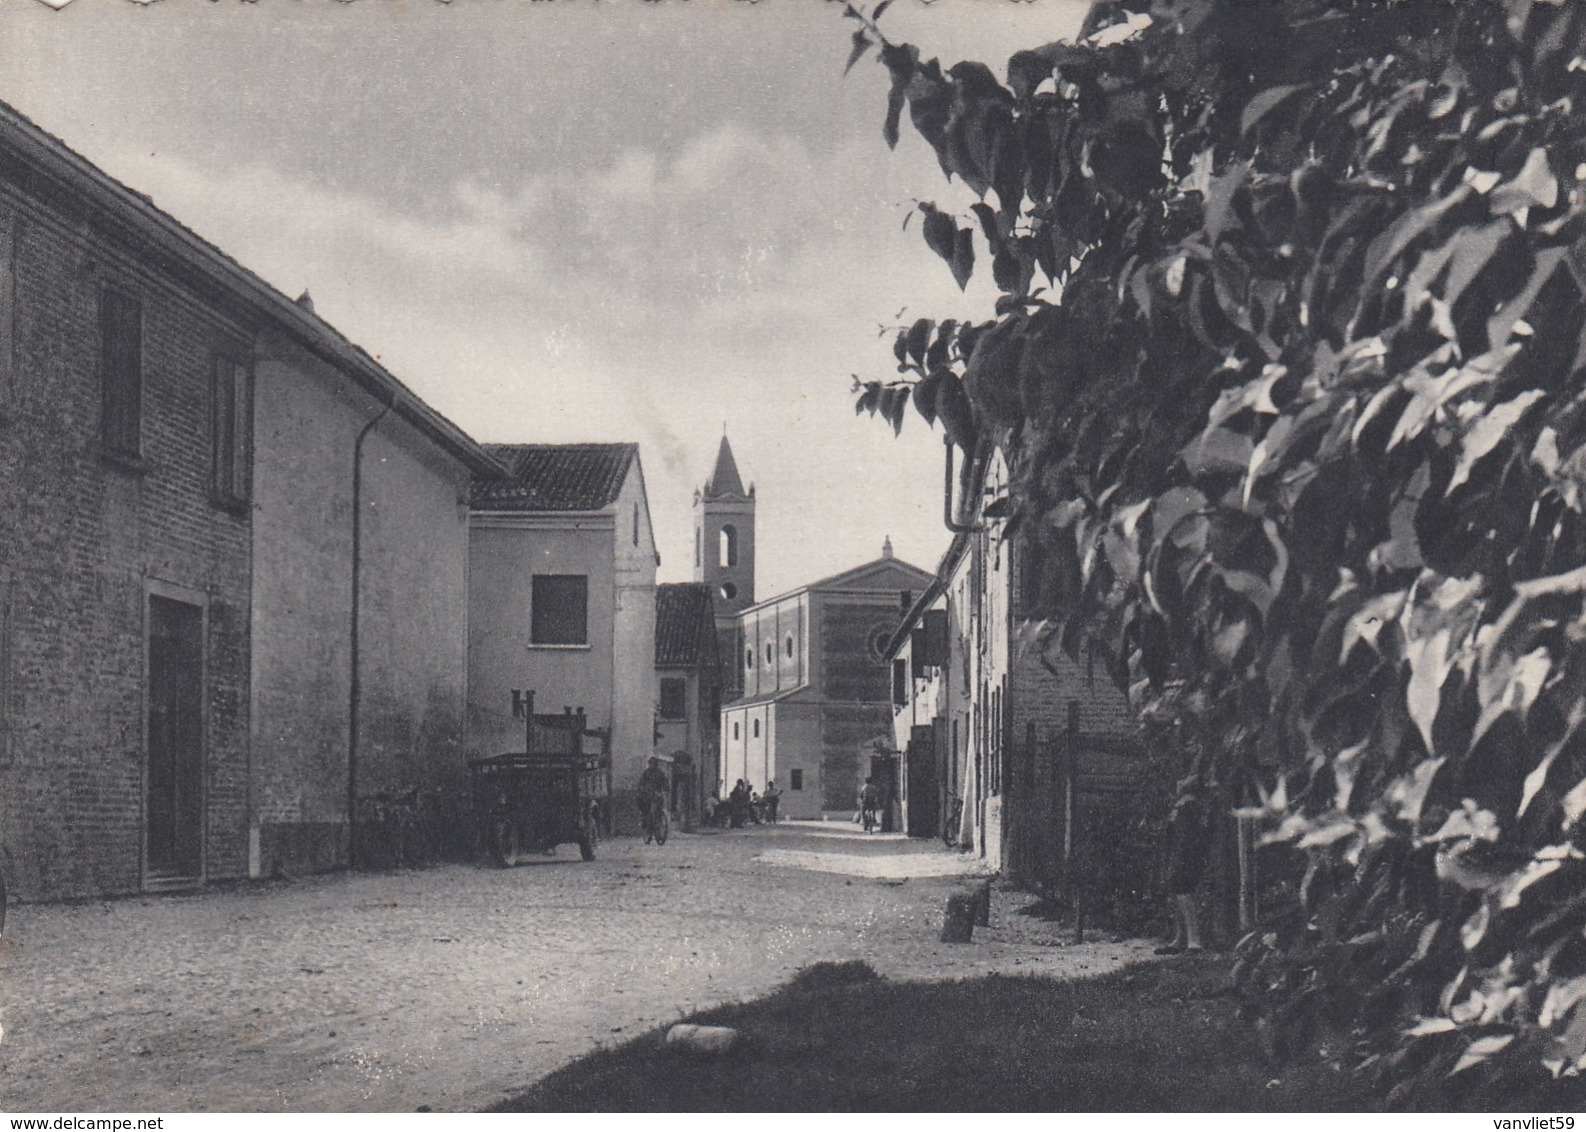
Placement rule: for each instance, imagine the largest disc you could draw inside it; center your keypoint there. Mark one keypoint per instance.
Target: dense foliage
(1288, 364)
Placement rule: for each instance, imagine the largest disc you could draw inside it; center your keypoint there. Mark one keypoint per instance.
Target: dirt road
(454, 986)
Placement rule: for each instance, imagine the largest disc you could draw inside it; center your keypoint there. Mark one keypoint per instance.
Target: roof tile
(685, 625)
(555, 477)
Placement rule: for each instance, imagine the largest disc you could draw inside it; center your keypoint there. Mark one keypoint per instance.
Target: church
(805, 677)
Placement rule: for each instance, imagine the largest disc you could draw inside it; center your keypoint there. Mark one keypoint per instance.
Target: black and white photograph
(792, 556)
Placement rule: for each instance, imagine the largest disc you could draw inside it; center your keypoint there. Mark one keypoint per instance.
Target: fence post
(1072, 843)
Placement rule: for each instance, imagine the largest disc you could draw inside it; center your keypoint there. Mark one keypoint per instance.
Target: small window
(735, 729)
(796, 779)
(788, 646)
(770, 654)
(729, 591)
(900, 682)
(756, 726)
(559, 609)
(121, 373)
(748, 658)
(233, 429)
(878, 642)
(674, 697)
(727, 551)
(635, 524)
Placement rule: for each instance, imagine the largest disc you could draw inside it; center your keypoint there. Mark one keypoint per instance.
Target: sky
(569, 220)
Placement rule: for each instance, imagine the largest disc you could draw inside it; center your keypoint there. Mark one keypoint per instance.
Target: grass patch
(838, 1038)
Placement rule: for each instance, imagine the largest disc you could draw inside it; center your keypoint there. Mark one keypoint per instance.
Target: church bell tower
(724, 557)
(724, 536)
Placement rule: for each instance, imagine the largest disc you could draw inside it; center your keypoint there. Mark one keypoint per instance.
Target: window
(748, 658)
(699, 537)
(735, 729)
(729, 591)
(788, 646)
(674, 697)
(121, 373)
(635, 524)
(879, 637)
(233, 430)
(900, 682)
(770, 653)
(796, 779)
(727, 552)
(559, 609)
(756, 726)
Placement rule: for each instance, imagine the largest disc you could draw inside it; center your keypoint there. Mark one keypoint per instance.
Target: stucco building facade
(562, 566)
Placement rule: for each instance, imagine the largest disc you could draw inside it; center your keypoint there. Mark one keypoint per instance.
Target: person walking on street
(869, 800)
(770, 798)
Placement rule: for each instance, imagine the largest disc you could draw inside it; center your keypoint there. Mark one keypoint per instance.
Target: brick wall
(84, 542)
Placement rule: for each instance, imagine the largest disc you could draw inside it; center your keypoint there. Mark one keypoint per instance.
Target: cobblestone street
(455, 986)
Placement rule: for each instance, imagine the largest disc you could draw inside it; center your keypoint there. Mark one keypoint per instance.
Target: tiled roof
(555, 477)
(685, 625)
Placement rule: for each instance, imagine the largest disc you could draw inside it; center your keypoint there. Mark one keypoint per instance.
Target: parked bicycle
(955, 818)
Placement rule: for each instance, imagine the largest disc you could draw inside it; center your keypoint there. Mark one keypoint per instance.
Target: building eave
(47, 168)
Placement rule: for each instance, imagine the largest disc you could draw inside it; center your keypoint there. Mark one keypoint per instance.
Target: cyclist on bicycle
(652, 791)
(869, 800)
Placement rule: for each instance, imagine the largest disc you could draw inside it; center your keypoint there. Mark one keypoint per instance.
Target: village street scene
(585, 556)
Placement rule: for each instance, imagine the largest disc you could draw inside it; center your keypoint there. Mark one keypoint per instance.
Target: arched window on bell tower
(729, 546)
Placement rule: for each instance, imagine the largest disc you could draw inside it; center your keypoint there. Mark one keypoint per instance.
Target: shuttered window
(233, 430)
(559, 613)
(674, 697)
(121, 373)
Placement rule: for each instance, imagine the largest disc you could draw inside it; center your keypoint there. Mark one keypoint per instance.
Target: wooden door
(924, 818)
(175, 792)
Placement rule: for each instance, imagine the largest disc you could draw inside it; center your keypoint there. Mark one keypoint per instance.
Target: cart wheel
(589, 835)
(663, 825)
(504, 842)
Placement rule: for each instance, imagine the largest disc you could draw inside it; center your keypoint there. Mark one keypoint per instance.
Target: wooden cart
(551, 795)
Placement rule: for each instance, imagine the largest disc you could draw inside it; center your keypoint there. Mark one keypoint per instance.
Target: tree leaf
(1491, 427)
(1511, 684)
(1399, 235)
(1430, 664)
(963, 257)
(1480, 1050)
(940, 231)
(861, 44)
(1265, 102)
(1533, 186)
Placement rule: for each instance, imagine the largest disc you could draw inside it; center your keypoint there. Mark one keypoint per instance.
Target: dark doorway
(175, 811)
(884, 769)
(920, 774)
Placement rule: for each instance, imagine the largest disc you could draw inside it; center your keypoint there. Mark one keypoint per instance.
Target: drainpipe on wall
(948, 510)
(354, 684)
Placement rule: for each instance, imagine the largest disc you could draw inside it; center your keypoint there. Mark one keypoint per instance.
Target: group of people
(745, 807)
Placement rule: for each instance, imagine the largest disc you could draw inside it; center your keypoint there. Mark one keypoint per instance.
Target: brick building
(189, 686)
(688, 695)
(813, 675)
(1030, 748)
